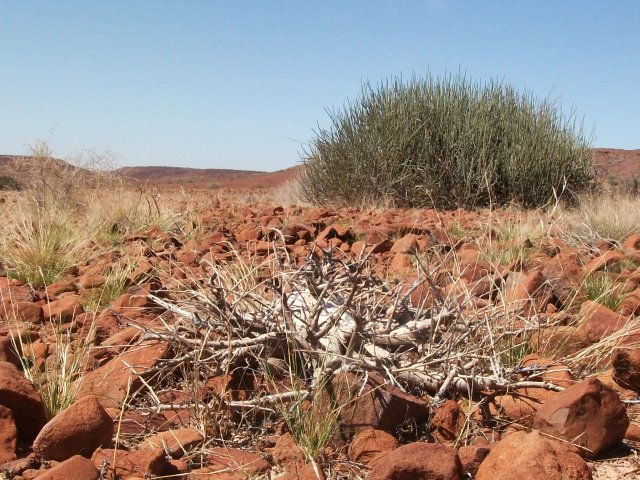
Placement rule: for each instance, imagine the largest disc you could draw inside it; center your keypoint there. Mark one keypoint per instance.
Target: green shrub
(446, 143)
(9, 183)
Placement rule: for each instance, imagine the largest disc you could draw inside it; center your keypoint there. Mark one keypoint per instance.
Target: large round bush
(446, 142)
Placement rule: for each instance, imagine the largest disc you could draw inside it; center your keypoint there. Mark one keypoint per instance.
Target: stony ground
(200, 367)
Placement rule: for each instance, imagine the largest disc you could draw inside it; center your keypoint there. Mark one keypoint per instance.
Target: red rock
(249, 235)
(235, 459)
(76, 468)
(138, 463)
(62, 286)
(134, 301)
(607, 261)
(419, 461)
(553, 371)
(342, 232)
(78, 430)
(91, 281)
(369, 445)
(632, 242)
(448, 421)
(63, 310)
(530, 292)
(400, 265)
(175, 443)
(599, 321)
(8, 435)
(379, 405)
(626, 367)
(630, 306)
(109, 382)
(28, 312)
(19, 395)
(563, 275)
(8, 353)
(406, 244)
(519, 406)
(471, 456)
(287, 453)
(589, 414)
(534, 457)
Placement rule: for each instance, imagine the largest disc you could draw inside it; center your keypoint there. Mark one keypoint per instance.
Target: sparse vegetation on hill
(9, 183)
(446, 142)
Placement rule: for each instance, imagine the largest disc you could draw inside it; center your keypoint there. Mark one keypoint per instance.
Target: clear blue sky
(242, 84)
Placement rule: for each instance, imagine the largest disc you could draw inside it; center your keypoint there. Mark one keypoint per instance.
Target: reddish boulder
(376, 405)
(109, 382)
(78, 430)
(21, 311)
(534, 457)
(631, 304)
(138, 463)
(63, 310)
(471, 456)
(599, 321)
(589, 414)
(369, 445)
(8, 436)
(175, 443)
(235, 459)
(632, 243)
(418, 460)
(626, 367)
(76, 467)
(448, 421)
(18, 394)
(607, 261)
(406, 244)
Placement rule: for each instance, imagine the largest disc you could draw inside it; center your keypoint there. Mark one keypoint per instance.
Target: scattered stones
(548, 284)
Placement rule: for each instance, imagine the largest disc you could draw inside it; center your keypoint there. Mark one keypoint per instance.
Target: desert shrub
(9, 183)
(446, 142)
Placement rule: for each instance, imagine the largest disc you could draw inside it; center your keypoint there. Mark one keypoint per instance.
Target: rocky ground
(260, 341)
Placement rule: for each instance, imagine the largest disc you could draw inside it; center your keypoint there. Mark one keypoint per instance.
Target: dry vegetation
(260, 330)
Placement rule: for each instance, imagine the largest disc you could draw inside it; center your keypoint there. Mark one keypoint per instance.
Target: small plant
(39, 249)
(311, 425)
(600, 287)
(116, 283)
(59, 378)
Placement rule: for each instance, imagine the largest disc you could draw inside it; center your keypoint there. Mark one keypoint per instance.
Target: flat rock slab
(111, 382)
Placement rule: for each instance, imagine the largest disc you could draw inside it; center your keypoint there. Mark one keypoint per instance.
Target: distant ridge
(623, 164)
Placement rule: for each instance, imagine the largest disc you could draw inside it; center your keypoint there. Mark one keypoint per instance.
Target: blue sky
(243, 84)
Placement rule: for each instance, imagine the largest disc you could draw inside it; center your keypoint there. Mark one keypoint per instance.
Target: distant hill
(615, 162)
(205, 177)
(623, 164)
